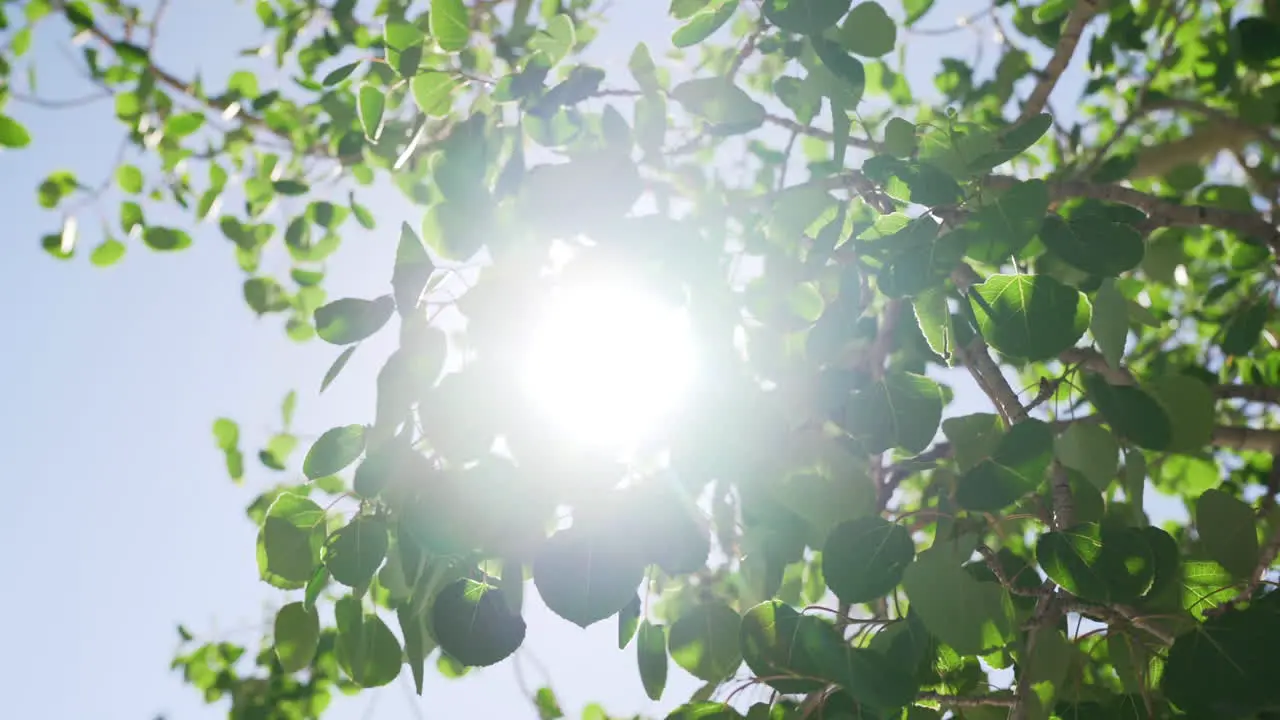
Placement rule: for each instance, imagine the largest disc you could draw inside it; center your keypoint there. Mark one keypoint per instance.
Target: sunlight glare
(609, 362)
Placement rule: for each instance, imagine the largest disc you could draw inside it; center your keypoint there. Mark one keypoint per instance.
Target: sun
(608, 362)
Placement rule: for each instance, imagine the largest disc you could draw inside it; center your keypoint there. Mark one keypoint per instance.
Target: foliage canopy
(819, 519)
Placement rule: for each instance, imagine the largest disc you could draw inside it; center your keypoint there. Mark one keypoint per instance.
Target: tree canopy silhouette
(819, 527)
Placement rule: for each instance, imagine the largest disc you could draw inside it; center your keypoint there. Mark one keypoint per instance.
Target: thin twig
(1080, 16)
(967, 701)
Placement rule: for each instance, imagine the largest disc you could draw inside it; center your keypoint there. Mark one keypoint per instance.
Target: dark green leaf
(585, 576)
(1227, 667)
(1093, 243)
(340, 74)
(290, 552)
(1243, 330)
(1102, 565)
(367, 650)
(1131, 412)
(1228, 531)
(807, 17)
(868, 30)
(846, 69)
(1015, 468)
(1109, 322)
(864, 559)
(355, 552)
(1006, 223)
(473, 623)
(1189, 404)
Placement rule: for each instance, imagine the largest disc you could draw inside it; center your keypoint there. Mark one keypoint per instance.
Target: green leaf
(899, 137)
(372, 104)
(289, 187)
(1091, 450)
(1093, 563)
(1228, 531)
(933, 315)
(547, 704)
(474, 624)
(1189, 404)
(701, 710)
(351, 320)
(973, 437)
(807, 17)
(868, 30)
(108, 253)
(651, 655)
(902, 410)
(129, 178)
(556, 41)
(183, 124)
(418, 642)
(704, 641)
(13, 134)
(1109, 323)
(585, 576)
(1093, 243)
(968, 615)
(265, 295)
(845, 68)
(290, 551)
(340, 74)
(413, 269)
(1029, 316)
(296, 636)
(366, 648)
(912, 182)
(1227, 666)
(226, 433)
(864, 559)
(792, 653)
(338, 364)
(1131, 412)
(165, 239)
(334, 450)
(1243, 330)
(718, 101)
(1015, 468)
(642, 69)
(433, 92)
(1006, 223)
(703, 24)
(450, 24)
(355, 552)
(628, 621)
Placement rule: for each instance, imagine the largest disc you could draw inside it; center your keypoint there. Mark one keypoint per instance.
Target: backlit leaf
(473, 623)
(1228, 530)
(296, 636)
(864, 559)
(1029, 316)
(334, 450)
(704, 641)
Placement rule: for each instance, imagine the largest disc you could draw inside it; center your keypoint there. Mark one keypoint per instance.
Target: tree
(824, 524)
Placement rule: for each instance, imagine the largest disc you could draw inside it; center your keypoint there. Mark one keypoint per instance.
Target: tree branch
(1080, 16)
(1160, 212)
(969, 701)
(1250, 393)
(824, 135)
(1243, 438)
(978, 361)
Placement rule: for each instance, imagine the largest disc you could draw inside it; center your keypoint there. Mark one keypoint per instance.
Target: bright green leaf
(334, 450)
(1029, 316)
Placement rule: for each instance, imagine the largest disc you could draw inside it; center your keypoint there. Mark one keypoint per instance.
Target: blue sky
(124, 522)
